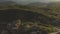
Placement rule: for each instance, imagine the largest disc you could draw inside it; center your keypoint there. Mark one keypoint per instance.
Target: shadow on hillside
(11, 15)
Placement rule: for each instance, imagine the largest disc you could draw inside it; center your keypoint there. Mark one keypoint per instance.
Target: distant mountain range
(37, 4)
(30, 4)
(42, 4)
(6, 3)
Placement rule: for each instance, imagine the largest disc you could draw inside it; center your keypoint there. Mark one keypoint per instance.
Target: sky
(29, 1)
(35, 0)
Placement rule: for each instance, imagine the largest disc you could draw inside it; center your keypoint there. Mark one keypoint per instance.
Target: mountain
(43, 19)
(41, 4)
(37, 4)
(53, 4)
(7, 3)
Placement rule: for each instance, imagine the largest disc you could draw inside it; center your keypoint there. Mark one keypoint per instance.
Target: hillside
(28, 19)
(44, 19)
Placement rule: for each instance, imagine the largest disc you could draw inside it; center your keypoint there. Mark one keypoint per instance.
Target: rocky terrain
(24, 19)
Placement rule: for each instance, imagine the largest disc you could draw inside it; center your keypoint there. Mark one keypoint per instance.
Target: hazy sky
(29, 1)
(36, 0)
